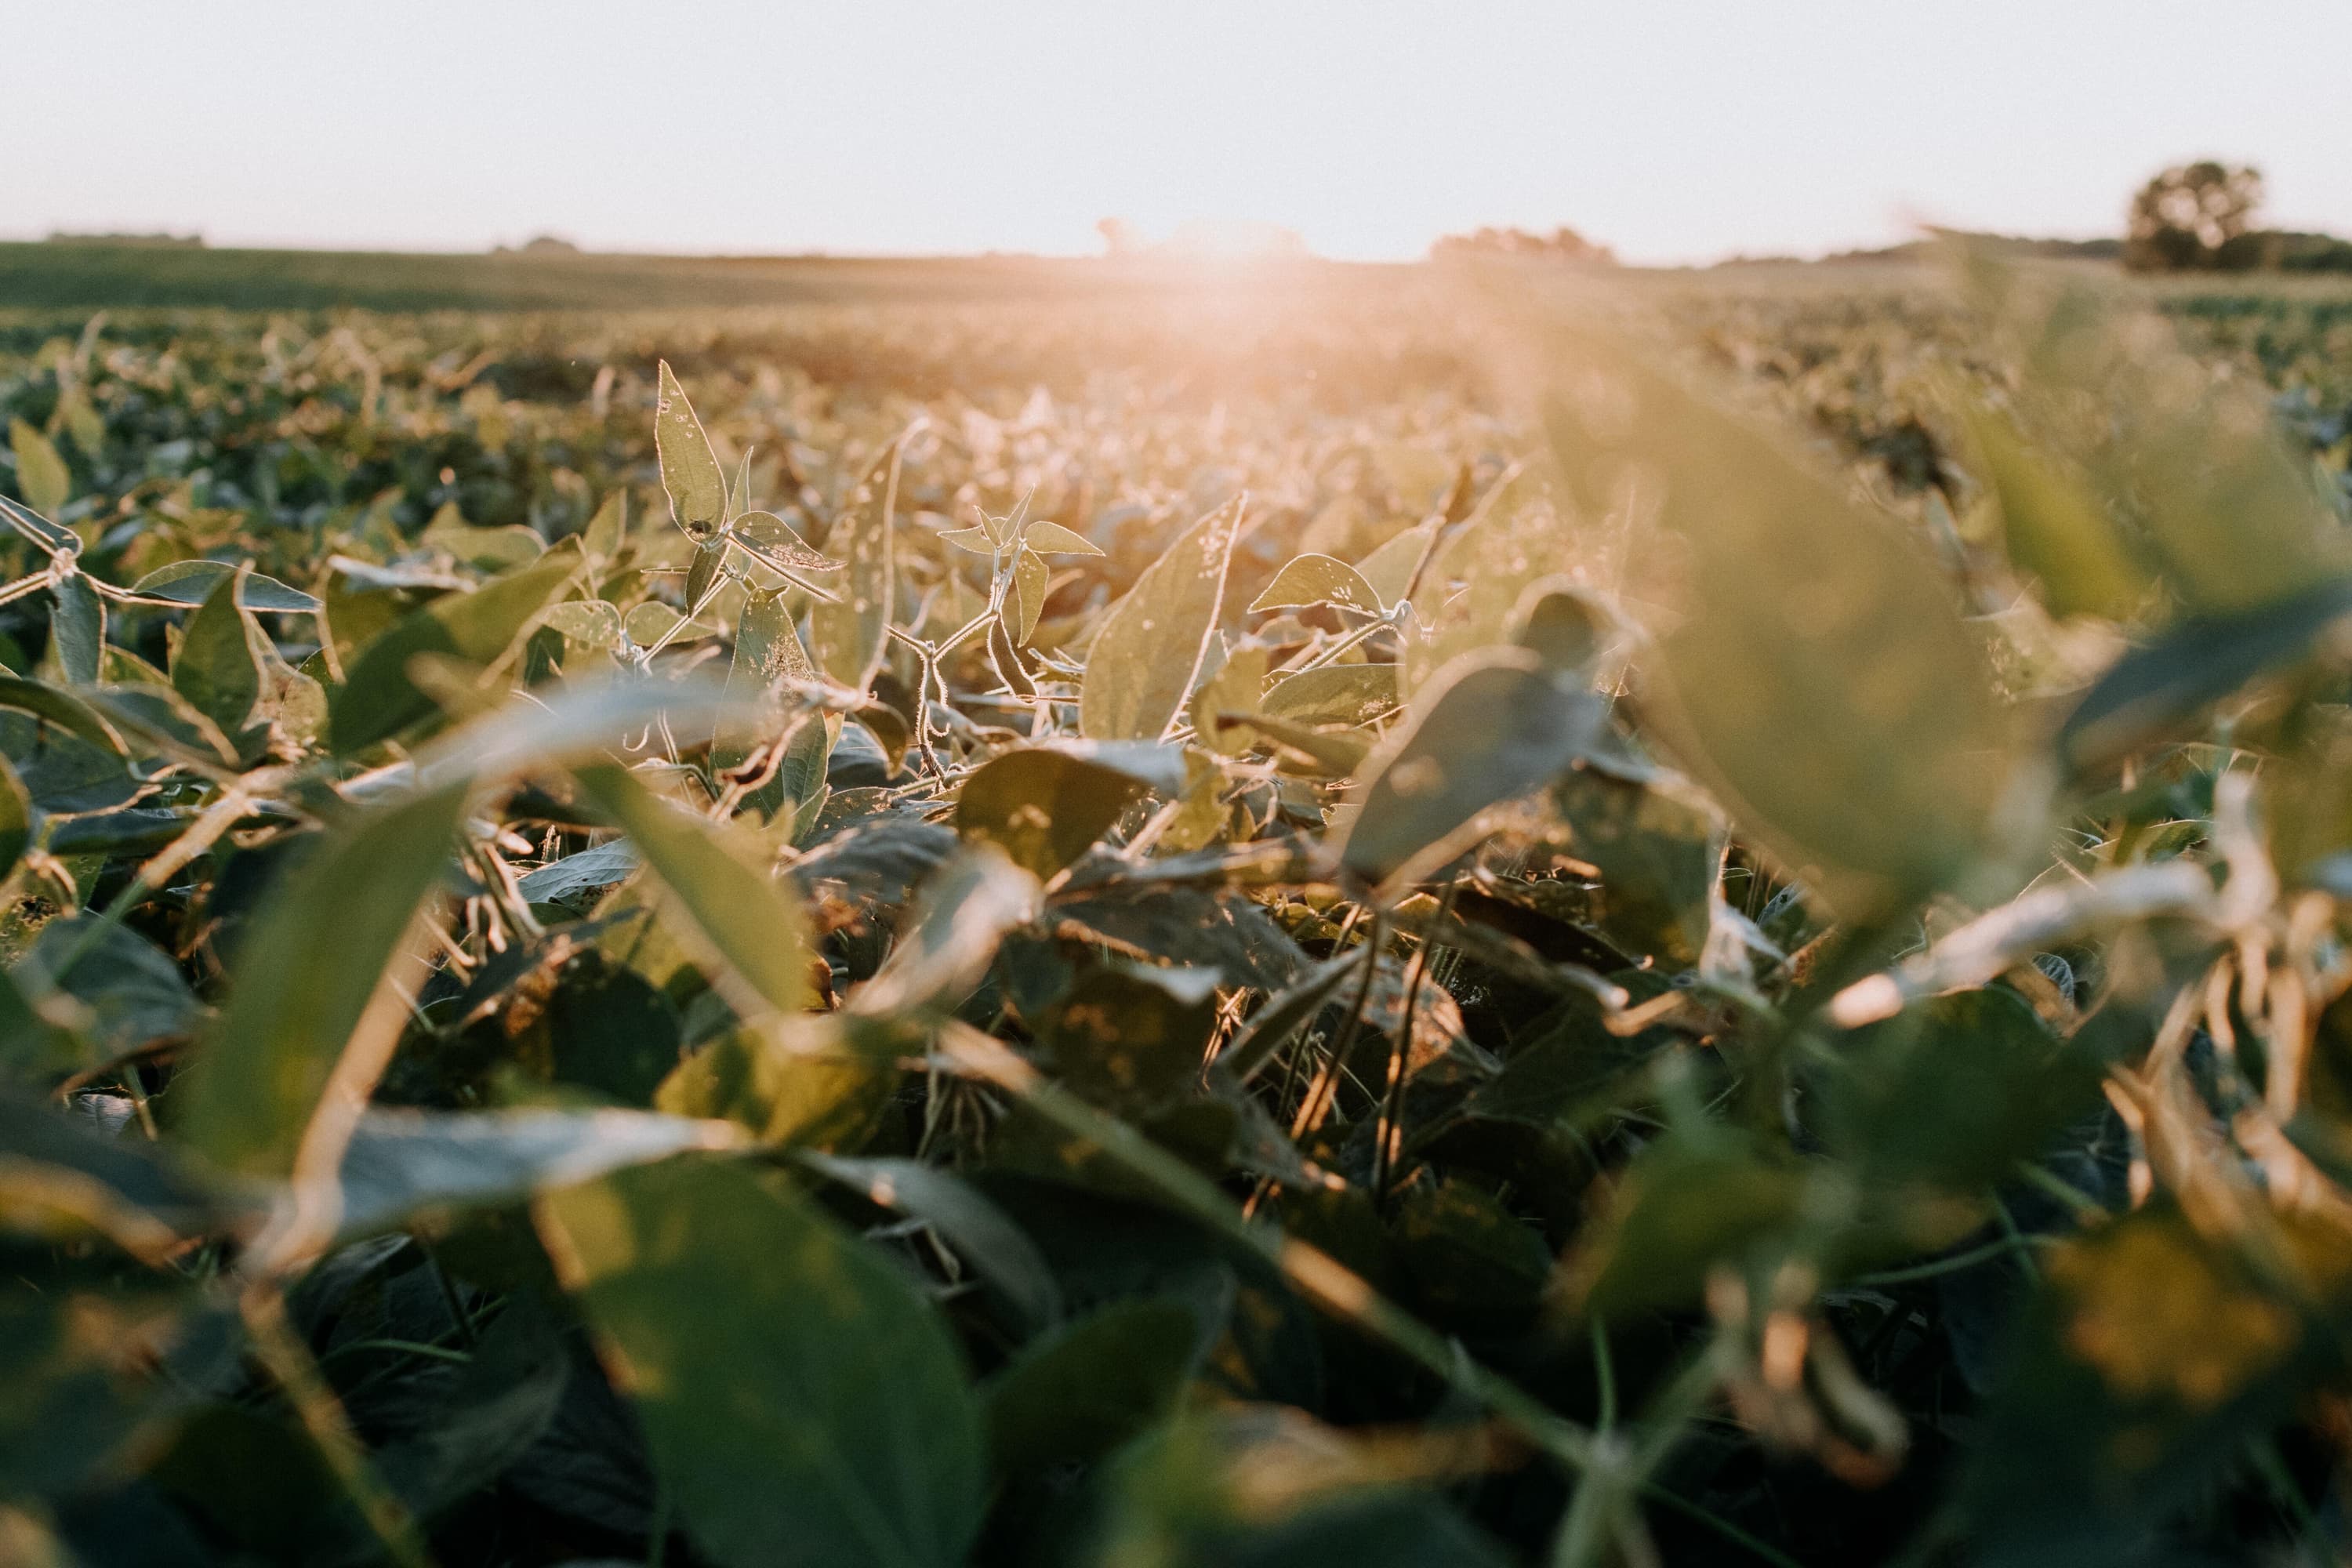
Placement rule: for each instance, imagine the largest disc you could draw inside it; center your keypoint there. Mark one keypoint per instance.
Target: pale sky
(1675, 130)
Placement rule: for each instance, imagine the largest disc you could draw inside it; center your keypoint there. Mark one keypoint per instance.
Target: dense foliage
(1288, 929)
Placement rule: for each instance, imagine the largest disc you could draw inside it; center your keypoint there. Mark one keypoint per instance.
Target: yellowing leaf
(1318, 580)
(1388, 571)
(1236, 689)
(42, 477)
(1334, 694)
(1055, 540)
(1147, 654)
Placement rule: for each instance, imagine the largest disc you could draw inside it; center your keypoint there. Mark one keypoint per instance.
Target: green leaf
(219, 663)
(704, 576)
(1075, 1395)
(768, 656)
(42, 477)
(76, 630)
(1147, 654)
(689, 471)
(1286, 1012)
(962, 911)
(748, 920)
(317, 957)
(849, 637)
(1487, 729)
(609, 528)
(193, 582)
(380, 700)
(1133, 1040)
(132, 994)
(1684, 1206)
(591, 623)
(63, 708)
(2154, 690)
(2135, 1381)
(1043, 808)
(802, 1405)
(1657, 851)
(2056, 530)
(1318, 580)
(2221, 509)
(1954, 1093)
(15, 819)
(483, 549)
(982, 1235)
(1823, 683)
(795, 1081)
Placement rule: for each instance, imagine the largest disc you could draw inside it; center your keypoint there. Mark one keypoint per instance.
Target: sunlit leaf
(1336, 694)
(399, 1163)
(1825, 683)
(2056, 532)
(749, 921)
(380, 699)
(1053, 539)
(1149, 649)
(1318, 580)
(770, 539)
(848, 637)
(689, 471)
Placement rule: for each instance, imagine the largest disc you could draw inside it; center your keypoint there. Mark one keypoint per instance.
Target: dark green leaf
(1487, 729)
(316, 959)
(802, 1403)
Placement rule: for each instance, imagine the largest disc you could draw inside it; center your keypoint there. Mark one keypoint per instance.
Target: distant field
(66, 276)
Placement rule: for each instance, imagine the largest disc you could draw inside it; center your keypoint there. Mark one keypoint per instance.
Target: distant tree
(2196, 218)
(1561, 243)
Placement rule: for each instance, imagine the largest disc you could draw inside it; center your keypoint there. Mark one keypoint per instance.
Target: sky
(1674, 129)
